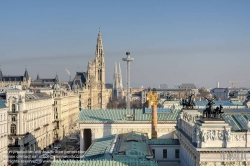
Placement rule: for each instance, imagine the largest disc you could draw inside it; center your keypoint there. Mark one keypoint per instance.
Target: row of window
(3, 117)
(3, 128)
(165, 153)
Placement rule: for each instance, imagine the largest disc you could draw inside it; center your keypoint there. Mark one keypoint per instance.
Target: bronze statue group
(209, 112)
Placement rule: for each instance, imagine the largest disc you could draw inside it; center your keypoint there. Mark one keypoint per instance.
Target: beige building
(3, 134)
(91, 84)
(9, 80)
(66, 110)
(214, 141)
(30, 126)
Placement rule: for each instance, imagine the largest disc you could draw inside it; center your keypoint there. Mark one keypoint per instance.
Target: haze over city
(173, 42)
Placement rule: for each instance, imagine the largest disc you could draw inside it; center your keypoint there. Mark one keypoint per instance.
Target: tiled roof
(159, 110)
(100, 148)
(237, 121)
(122, 162)
(133, 145)
(123, 116)
(163, 142)
(2, 104)
(216, 103)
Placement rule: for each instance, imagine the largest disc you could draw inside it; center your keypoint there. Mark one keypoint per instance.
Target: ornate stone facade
(210, 142)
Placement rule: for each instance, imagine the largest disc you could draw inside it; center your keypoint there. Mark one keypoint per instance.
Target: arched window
(99, 98)
(13, 129)
(80, 103)
(89, 103)
(100, 74)
(13, 107)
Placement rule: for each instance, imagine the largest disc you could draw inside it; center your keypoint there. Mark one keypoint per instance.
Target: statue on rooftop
(209, 112)
(188, 103)
(232, 94)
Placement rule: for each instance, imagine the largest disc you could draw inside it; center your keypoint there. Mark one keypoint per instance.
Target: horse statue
(209, 112)
(188, 103)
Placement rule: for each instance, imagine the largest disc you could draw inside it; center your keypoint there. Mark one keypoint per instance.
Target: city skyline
(172, 42)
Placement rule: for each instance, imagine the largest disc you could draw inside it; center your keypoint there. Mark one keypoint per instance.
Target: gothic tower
(99, 62)
(117, 83)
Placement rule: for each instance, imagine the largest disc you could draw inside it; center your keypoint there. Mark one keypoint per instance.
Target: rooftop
(129, 148)
(163, 142)
(124, 116)
(124, 162)
(216, 103)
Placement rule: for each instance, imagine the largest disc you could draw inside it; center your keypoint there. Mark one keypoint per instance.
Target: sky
(172, 42)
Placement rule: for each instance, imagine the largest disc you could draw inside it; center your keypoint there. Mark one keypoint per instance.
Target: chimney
(218, 84)
(154, 121)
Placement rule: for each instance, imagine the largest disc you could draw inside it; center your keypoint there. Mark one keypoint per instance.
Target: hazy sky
(173, 42)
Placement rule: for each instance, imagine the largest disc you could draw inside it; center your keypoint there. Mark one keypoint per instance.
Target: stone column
(81, 142)
(154, 122)
(248, 139)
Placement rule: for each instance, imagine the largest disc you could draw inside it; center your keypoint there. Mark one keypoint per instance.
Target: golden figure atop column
(152, 98)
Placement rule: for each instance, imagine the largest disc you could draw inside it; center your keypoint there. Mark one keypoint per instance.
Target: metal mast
(128, 59)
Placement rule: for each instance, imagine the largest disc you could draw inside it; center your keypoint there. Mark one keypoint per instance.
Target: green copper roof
(100, 148)
(163, 142)
(123, 116)
(123, 162)
(238, 121)
(237, 102)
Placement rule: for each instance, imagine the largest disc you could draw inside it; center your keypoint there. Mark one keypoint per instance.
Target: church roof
(124, 116)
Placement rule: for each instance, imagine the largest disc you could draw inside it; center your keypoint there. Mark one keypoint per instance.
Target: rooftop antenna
(128, 60)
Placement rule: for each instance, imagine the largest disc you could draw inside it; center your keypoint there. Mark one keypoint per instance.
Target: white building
(213, 141)
(30, 118)
(3, 134)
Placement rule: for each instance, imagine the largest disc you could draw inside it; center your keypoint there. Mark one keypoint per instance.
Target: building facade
(3, 134)
(9, 80)
(214, 141)
(30, 126)
(66, 110)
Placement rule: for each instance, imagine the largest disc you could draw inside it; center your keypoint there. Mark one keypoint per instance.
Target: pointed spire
(99, 47)
(37, 78)
(115, 83)
(120, 76)
(26, 75)
(56, 79)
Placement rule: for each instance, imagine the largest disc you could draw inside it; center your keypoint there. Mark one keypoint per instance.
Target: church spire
(115, 79)
(56, 79)
(99, 47)
(26, 75)
(37, 78)
(120, 76)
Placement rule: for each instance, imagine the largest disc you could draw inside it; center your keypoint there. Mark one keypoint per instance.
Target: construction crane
(233, 81)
